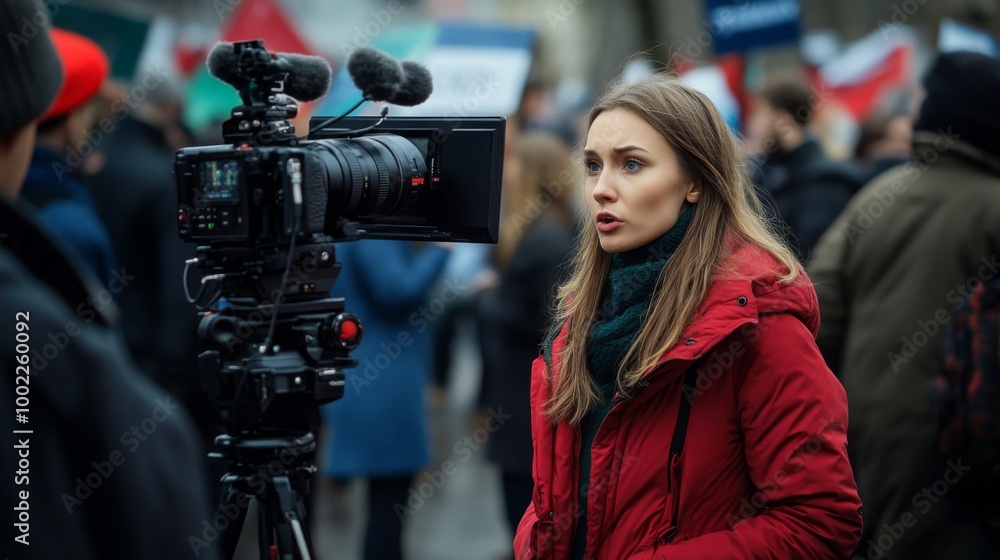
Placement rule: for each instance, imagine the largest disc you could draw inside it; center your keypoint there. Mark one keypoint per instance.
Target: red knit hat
(85, 67)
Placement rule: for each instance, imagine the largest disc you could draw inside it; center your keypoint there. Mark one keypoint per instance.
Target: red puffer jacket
(764, 471)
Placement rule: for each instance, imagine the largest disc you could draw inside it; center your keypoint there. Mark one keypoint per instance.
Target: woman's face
(635, 187)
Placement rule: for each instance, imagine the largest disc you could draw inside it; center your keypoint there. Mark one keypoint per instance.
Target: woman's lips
(606, 222)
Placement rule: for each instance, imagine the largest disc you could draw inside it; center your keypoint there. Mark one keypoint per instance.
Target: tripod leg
(292, 533)
(265, 526)
(229, 500)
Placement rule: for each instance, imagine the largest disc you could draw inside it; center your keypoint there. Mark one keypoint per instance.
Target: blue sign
(742, 25)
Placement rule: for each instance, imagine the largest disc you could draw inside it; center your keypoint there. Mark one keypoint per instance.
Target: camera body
(246, 195)
(241, 195)
(417, 178)
(267, 209)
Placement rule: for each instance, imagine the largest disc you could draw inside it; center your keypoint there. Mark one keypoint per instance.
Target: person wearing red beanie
(65, 138)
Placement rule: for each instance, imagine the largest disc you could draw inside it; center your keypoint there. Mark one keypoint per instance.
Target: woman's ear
(694, 193)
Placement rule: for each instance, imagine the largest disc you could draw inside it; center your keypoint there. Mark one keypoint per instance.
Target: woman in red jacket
(681, 409)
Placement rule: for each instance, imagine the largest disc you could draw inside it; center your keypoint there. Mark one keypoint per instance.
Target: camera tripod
(283, 532)
(267, 368)
(277, 395)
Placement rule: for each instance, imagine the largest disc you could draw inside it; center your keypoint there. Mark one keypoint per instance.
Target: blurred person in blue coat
(379, 429)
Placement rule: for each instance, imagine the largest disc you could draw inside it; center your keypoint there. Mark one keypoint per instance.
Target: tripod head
(277, 342)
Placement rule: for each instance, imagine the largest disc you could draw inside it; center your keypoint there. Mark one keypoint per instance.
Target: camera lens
(371, 176)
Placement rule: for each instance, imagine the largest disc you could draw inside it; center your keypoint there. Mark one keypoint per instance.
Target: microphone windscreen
(417, 85)
(309, 77)
(376, 74)
(221, 63)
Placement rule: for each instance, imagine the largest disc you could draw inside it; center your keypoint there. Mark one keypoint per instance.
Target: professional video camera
(267, 209)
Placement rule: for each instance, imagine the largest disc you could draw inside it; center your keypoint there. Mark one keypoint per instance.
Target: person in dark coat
(804, 189)
(53, 185)
(136, 198)
(100, 462)
(890, 274)
(379, 430)
(536, 237)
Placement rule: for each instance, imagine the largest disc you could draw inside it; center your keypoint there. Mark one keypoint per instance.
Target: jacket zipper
(672, 460)
(617, 400)
(673, 487)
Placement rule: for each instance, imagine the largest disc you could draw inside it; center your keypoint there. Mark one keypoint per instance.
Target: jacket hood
(746, 289)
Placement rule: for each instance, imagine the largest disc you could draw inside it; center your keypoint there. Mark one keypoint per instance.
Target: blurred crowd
(885, 233)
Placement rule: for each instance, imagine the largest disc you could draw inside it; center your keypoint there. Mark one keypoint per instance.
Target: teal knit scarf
(625, 300)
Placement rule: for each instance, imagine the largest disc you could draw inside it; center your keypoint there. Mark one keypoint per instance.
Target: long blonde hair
(545, 187)
(728, 215)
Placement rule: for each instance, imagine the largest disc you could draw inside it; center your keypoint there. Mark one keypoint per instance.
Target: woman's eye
(632, 165)
(593, 167)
